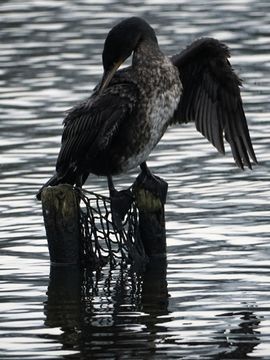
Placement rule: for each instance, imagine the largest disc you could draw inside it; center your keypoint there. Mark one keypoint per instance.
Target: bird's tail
(54, 180)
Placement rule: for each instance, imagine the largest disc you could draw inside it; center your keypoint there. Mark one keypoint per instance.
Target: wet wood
(150, 196)
(61, 218)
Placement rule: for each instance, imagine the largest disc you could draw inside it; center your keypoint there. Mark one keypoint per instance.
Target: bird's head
(121, 41)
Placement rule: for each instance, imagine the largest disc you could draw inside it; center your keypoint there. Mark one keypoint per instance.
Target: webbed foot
(120, 204)
(152, 183)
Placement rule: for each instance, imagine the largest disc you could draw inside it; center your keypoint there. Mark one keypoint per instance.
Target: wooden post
(150, 196)
(61, 217)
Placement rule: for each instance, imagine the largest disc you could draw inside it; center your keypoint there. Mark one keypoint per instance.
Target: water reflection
(105, 313)
(240, 340)
(217, 217)
(118, 312)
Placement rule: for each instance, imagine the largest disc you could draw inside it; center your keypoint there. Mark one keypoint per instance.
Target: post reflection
(116, 313)
(108, 312)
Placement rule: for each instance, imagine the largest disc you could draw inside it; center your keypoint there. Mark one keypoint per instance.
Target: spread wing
(211, 98)
(90, 126)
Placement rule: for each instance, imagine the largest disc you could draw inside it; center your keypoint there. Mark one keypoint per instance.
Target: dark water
(211, 299)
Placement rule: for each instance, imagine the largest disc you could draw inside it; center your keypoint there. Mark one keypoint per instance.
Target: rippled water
(211, 299)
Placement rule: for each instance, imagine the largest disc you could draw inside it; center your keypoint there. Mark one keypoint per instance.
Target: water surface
(211, 299)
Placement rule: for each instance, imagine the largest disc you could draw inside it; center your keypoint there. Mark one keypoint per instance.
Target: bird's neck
(146, 54)
(149, 65)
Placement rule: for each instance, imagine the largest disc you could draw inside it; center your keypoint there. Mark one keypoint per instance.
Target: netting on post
(101, 241)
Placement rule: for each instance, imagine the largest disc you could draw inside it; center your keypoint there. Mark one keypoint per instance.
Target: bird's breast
(153, 118)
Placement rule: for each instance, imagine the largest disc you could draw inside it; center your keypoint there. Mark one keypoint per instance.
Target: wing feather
(211, 98)
(90, 126)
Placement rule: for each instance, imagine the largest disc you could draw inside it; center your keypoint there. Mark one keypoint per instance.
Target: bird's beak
(108, 75)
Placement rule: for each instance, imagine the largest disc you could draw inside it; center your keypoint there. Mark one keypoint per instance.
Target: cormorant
(117, 127)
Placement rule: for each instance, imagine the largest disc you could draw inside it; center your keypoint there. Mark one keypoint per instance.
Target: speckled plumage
(158, 94)
(144, 97)
(116, 128)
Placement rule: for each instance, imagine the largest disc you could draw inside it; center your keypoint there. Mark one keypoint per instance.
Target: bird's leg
(81, 178)
(120, 203)
(79, 182)
(152, 182)
(145, 169)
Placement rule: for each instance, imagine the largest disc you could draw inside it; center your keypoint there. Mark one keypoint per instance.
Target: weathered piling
(60, 207)
(150, 195)
(61, 214)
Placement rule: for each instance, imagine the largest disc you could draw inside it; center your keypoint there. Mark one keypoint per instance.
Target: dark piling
(60, 207)
(150, 196)
(62, 219)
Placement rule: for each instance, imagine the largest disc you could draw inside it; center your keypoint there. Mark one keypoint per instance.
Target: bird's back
(115, 131)
(91, 127)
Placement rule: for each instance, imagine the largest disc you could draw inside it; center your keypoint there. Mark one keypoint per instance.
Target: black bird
(117, 127)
